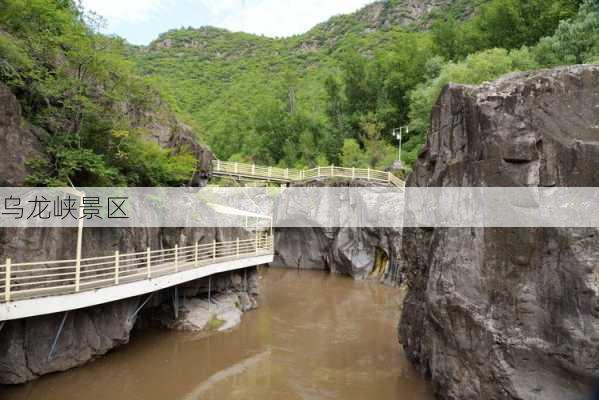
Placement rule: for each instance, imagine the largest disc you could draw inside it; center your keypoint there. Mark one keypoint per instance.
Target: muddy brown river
(315, 336)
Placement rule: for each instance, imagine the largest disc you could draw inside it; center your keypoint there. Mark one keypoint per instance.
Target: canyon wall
(364, 252)
(507, 313)
(358, 252)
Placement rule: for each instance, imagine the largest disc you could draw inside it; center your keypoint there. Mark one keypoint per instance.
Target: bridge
(289, 175)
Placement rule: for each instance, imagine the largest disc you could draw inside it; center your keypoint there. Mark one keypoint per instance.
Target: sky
(141, 21)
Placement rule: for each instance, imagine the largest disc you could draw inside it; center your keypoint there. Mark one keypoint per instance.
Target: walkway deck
(287, 175)
(45, 287)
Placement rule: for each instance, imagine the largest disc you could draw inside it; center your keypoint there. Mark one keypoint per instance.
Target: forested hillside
(334, 94)
(331, 95)
(89, 107)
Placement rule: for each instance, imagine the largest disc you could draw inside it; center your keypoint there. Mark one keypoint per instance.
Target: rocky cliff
(358, 252)
(507, 313)
(23, 140)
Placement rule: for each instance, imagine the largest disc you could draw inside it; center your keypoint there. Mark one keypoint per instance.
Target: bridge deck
(274, 174)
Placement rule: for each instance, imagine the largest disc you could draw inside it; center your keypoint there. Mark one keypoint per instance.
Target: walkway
(36, 288)
(287, 175)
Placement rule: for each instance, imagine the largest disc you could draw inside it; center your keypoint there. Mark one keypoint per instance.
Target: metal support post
(55, 342)
(138, 309)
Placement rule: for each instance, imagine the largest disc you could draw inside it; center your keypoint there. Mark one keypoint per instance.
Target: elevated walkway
(36, 288)
(288, 175)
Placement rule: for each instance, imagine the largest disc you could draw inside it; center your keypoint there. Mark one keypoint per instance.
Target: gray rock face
(507, 313)
(26, 345)
(358, 252)
(19, 140)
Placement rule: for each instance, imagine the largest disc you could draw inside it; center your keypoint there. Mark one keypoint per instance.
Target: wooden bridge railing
(24, 280)
(227, 168)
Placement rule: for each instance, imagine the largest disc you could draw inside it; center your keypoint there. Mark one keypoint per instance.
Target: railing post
(353, 172)
(257, 240)
(218, 165)
(389, 177)
(195, 257)
(332, 170)
(116, 267)
(77, 271)
(318, 171)
(7, 280)
(236, 167)
(253, 169)
(176, 258)
(368, 173)
(214, 249)
(270, 172)
(237, 247)
(287, 173)
(77, 275)
(148, 263)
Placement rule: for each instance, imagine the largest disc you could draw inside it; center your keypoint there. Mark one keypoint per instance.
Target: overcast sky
(140, 21)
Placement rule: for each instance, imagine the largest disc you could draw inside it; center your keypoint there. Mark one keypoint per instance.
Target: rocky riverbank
(209, 304)
(507, 313)
(27, 348)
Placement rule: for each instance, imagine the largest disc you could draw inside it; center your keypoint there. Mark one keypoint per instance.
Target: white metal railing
(24, 280)
(288, 174)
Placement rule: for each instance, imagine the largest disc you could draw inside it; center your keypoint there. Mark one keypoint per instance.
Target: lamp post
(81, 195)
(397, 132)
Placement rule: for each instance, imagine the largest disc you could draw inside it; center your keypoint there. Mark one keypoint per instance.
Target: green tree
(575, 41)
(352, 155)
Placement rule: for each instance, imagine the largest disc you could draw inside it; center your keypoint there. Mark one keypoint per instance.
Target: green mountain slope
(225, 80)
(335, 93)
(96, 120)
(331, 95)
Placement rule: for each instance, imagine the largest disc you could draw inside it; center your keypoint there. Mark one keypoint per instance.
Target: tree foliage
(332, 95)
(320, 96)
(78, 85)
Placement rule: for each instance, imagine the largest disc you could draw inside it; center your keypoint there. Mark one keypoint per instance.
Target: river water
(315, 336)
